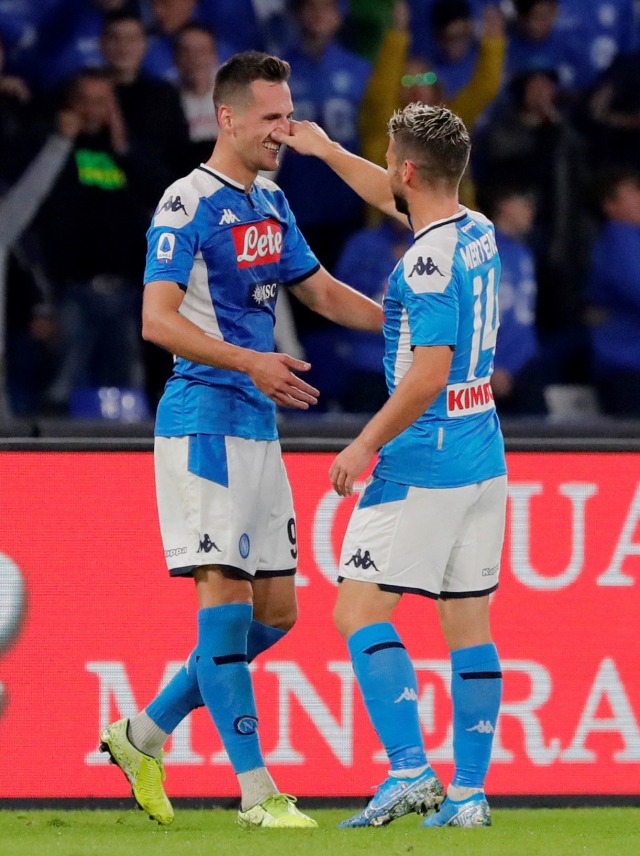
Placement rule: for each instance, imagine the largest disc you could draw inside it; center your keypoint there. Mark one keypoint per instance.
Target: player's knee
(287, 621)
(282, 619)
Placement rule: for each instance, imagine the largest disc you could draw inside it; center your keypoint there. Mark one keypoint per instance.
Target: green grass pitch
(515, 832)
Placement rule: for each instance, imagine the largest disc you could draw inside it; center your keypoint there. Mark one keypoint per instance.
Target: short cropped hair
(237, 74)
(73, 85)
(194, 27)
(443, 12)
(608, 180)
(435, 138)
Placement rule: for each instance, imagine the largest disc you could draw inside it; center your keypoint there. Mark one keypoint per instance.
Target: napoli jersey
(444, 292)
(230, 251)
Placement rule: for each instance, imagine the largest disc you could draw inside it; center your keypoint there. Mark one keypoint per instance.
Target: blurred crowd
(104, 102)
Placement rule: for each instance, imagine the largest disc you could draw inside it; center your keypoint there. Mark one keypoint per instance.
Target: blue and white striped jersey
(230, 251)
(444, 292)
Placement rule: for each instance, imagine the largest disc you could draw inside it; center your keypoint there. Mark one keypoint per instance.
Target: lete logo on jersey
(257, 243)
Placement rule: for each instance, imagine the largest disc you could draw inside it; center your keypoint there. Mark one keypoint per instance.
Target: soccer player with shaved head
(222, 243)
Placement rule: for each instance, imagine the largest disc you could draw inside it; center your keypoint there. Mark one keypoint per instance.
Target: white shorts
(225, 501)
(439, 542)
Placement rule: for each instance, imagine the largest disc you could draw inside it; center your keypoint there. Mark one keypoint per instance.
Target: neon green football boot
(277, 811)
(144, 773)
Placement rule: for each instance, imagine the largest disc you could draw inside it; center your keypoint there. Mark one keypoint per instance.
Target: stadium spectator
(536, 42)
(532, 136)
(19, 31)
(366, 25)
(424, 83)
(221, 242)
(399, 79)
(422, 35)
(168, 18)
(196, 60)
(70, 41)
(151, 108)
(455, 51)
(245, 24)
(368, 257)
(518, 378)
(157, 128)
(22, 128)
(27, 325)
(609, 28)
(614, 294)
(614, 114)
(382, 94)
(327, 84)
(93, 226)
(432, 516)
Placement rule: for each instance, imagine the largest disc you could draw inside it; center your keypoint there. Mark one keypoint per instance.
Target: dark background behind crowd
(104, 102)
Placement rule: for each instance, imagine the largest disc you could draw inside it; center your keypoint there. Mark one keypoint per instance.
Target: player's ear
(225, 117)
(408, 171)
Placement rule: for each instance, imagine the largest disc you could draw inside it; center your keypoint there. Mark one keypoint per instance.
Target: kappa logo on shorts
(489, 572)
(176, 551)
(362, 560)
(207, 545)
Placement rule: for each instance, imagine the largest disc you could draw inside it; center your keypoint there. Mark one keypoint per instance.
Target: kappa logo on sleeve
(173, 203)
(425, 268)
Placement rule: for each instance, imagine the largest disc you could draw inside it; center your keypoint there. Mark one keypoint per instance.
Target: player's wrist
(331, 151)
(367, 442)
(245, 360)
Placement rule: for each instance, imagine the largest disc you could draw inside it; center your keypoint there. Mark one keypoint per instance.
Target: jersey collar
(229, 182)
(438, 223)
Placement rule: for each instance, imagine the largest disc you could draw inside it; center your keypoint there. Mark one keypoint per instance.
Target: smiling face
(248, 124)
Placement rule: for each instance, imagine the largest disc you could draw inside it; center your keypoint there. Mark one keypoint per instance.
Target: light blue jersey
(230, 251)
(444, 292)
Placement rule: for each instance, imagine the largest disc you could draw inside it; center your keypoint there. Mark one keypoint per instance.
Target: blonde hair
(435, 138)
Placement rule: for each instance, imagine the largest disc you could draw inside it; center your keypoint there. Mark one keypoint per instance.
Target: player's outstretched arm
(272, 373)
(426, 378)
(337, 301)
(367, 179)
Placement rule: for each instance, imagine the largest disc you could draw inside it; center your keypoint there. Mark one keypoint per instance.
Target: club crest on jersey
(257, 243)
